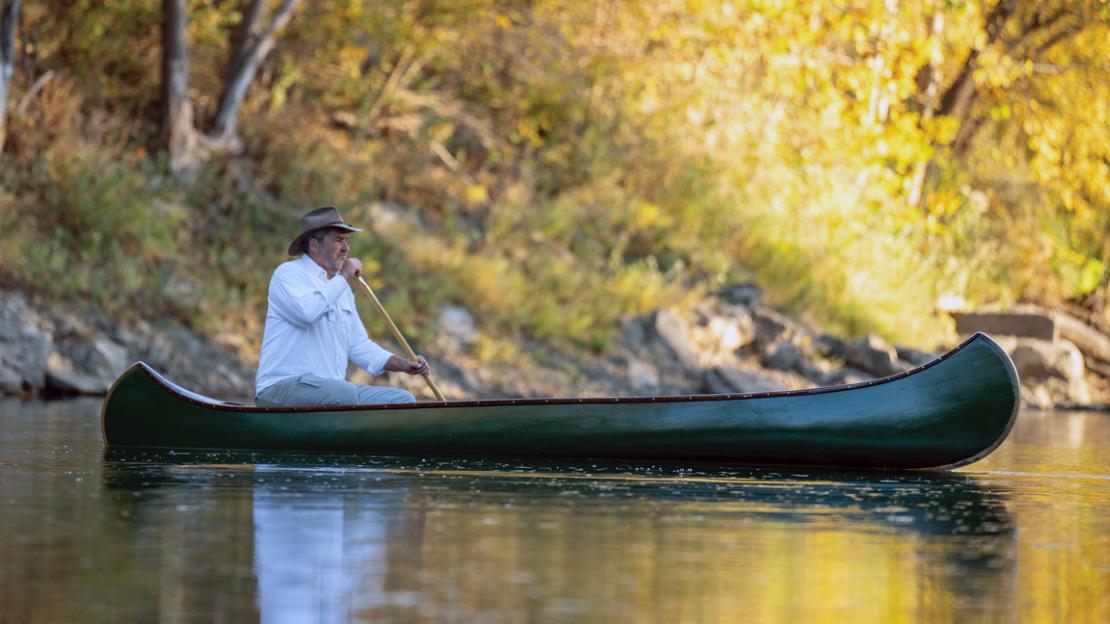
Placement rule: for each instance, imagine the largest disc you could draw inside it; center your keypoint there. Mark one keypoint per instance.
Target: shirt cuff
(375, 362)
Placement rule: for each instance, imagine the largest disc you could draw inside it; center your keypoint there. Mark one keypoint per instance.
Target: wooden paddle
(397, 334)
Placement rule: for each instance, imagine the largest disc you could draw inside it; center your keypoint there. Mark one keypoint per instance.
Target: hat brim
(295, 246)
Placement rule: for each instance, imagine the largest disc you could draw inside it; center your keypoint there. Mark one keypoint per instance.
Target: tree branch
(251, 50)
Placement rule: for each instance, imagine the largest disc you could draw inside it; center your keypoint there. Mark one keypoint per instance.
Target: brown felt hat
(318, 219)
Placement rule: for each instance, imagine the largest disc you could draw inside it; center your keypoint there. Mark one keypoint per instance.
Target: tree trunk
(961, 94)
(178, 133)
(252, 44)
(9, 19)
(956, 101)
(928, 83)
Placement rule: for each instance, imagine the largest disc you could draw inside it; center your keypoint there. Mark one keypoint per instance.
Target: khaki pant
(311, 390)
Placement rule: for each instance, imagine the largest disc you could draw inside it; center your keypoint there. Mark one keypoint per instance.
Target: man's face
(332, 252)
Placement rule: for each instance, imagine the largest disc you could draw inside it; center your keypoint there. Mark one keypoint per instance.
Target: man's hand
(419, 366)
(352, 267)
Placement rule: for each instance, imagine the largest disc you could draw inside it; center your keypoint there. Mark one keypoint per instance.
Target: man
(313, 327)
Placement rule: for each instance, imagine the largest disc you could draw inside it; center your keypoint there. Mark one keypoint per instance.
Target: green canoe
(949, 412)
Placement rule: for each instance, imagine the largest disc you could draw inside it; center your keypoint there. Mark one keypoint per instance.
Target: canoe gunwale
(184, 395)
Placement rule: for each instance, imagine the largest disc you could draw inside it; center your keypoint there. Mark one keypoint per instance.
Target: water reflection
(138, 537)
(401, 539)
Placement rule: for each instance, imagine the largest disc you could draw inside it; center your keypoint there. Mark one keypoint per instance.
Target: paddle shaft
(397, 334)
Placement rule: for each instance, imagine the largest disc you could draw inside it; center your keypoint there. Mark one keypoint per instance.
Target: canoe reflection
(926, 502)
(335, 538)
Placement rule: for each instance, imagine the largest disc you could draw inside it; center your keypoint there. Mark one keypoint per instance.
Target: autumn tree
(252, 42)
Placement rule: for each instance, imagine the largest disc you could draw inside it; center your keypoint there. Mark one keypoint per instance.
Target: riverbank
(730, 342)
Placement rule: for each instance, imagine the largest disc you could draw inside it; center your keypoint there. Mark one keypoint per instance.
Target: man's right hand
(351, 268)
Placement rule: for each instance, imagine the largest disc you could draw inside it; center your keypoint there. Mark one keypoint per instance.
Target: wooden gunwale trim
(227, 407)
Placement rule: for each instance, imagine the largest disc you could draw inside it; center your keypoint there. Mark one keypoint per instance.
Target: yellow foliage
(565, 163)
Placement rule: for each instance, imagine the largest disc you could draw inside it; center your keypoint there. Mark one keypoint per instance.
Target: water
(199, 537)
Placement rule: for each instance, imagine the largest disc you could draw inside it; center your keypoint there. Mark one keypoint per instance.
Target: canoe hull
(949, 412)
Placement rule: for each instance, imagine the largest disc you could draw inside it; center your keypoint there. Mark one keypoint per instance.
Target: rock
(1028, 321)
(817, 372)
(58, 363)
(1039, 361)
(913, 356)
(1041, 358)
(719, 332)
(772, 327)
(730, 379)
(26, 355)
(104, 358)
(1046, 393)
(847, 375)
(747, 295)
(70, 382)
(194, 362)
(874, 355)
(641, 375)
(11, 382)
(1023, 322)
(457, 324)
(674, 333)
(830, 346)
(784, 356)
(634, 334)
(77, 365)
(1088, 339)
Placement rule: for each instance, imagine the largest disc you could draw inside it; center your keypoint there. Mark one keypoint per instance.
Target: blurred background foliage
(558, 164)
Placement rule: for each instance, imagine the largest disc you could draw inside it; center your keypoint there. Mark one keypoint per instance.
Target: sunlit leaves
(639, 148)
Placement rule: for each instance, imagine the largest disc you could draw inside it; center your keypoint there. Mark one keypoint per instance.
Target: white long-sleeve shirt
(313, 326)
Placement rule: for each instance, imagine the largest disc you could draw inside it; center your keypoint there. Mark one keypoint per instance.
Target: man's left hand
(419, 366)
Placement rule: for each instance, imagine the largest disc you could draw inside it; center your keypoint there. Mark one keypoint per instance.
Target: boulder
(641, 375)
(874, 355)
(457, 324)
(1088, 339)
(845, 376)
(1029, 321)
(634, 333)
(23, 354)
(1048, 393)
(72, 382)
(747, 295)
(11, 382)
(784, 355)
(1040, 361)
(730, 379)
(832, 347)
(719, 331)
(674, 332)
(107, 356)
(913, 356)
(772, 327)
(1020, 321)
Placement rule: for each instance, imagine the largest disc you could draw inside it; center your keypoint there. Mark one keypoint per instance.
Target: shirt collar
(313, 269)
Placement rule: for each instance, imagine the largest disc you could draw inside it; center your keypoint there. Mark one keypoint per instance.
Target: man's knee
(337, 392)
(377, 395)
(396, 395)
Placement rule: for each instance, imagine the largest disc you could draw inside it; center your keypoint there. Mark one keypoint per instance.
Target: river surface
(85, 536)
